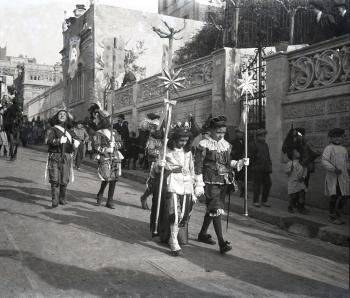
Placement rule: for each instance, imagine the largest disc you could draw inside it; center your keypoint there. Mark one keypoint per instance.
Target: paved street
(81, 250)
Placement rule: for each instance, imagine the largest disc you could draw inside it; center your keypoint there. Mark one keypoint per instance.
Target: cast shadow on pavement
(105, 282)
(32, 195)
(16, 179)
(298, 244)
(256, 273)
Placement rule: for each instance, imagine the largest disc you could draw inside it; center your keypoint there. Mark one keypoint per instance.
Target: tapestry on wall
(74, 53)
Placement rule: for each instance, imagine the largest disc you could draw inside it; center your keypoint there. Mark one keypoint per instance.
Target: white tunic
(336, 156)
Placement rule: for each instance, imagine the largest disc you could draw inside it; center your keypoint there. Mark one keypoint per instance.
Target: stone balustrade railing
(322, 64)
(196, 73)
(123, 97)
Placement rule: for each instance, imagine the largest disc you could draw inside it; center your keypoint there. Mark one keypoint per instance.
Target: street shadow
(261, 274)
(298, 244)
(105, 282)
(16, 179)
(32, 195)
(256, 273)
(38, 160)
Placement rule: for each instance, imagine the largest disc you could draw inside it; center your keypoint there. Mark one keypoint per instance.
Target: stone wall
(307, 88)
(209, 89)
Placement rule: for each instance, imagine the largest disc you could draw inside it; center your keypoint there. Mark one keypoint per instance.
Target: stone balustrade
(322, 64)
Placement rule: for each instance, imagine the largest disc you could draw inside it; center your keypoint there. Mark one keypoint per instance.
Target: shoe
(291, 210)
(63, 202)
(206, 238)
(54, 205)
(144, 204)
(266, 204)
(225, 247)
(257, 205)
(176, 253)
(110, 206)
(336, 221)
(98, 201)
(304, 211)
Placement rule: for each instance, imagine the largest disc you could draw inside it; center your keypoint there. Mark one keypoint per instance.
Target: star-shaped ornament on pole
(171, 82)
(247, 85)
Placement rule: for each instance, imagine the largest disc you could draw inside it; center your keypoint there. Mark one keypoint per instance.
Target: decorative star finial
(247, 83)
(171, 82)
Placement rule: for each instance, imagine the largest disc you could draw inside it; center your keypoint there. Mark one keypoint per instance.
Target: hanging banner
(74, 53)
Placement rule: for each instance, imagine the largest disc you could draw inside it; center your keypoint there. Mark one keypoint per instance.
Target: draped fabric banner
(74, 53)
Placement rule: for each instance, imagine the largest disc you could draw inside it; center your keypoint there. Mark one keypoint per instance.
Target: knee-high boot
(55, 194)
(62, 194)
(111, 194)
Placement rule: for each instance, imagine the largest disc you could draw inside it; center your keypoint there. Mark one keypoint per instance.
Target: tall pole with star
(171, 82)
(247, 86)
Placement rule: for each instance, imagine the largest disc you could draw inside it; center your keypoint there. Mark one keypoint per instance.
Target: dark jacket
(53, 140)
(343, 24)
(325, 28)
(259, 155)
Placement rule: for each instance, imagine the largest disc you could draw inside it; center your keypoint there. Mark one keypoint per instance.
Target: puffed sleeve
(198, 164)
(52, 138)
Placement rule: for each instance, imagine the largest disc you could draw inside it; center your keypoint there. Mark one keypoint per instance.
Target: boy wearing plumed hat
(335, 159)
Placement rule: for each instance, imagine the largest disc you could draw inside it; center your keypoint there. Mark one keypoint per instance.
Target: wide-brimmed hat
(336, 132)
(261, 132)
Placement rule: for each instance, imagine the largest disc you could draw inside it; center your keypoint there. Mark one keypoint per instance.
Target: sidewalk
(314, 225)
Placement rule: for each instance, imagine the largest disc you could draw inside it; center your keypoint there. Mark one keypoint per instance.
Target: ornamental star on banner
(171, 82)
(247, 83)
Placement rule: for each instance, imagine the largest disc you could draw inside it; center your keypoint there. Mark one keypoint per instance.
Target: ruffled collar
(211, 144)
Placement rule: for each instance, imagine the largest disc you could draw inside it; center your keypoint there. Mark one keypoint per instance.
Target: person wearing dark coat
(323, 25)
(343, 17)
(261, 167)
(237, 153)
(122, 127)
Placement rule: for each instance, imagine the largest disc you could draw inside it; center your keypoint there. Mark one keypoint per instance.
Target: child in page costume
(109, 158)
(177, 201)
(214, 172)
(62, 141)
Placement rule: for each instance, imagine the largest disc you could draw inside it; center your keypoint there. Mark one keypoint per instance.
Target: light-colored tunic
(295, 172)
(336, 156)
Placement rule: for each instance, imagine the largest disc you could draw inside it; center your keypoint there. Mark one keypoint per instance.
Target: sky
(33, 27)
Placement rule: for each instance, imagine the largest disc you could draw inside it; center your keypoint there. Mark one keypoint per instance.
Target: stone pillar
(277, 83)
(225, 98)
(134, 113)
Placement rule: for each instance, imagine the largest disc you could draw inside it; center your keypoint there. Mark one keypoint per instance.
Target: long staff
(246, 156)
(167, 128)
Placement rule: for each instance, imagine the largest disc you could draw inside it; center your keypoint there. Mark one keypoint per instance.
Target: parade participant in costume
(106, 144)
(179, 198)
(153, 149)
(335, 159)
(144, 132)
(214, 172)
(62, 141)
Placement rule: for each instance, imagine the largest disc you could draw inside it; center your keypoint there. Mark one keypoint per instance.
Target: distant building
(30, 78)
(42, 105)
(87, 54)
(186, 9)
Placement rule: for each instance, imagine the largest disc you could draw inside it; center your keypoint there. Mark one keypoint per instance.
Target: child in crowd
(214, 173)
(336, 162)
(179, 170)
(296, 182)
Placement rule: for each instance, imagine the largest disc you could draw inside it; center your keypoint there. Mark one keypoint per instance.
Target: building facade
(87, 55)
